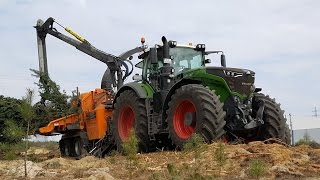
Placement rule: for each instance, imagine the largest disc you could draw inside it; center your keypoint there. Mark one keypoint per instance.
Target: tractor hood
(238, 80)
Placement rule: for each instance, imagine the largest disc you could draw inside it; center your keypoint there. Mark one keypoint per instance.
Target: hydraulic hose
(131, 67)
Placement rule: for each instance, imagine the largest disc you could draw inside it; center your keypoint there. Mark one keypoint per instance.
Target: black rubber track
(130, 98)
(274, 121)
(209, 113)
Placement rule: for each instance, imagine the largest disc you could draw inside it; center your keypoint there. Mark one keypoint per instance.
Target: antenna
(315, 111)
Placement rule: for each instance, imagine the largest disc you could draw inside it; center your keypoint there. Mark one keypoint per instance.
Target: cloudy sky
(278, 39)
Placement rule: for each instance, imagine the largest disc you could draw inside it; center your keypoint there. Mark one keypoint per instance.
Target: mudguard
(143, 90)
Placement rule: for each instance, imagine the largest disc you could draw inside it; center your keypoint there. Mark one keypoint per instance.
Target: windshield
(184, 58)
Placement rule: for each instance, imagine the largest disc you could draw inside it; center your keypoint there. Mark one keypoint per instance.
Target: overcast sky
(278, 39)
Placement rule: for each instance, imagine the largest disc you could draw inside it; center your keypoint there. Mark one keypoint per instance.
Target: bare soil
(277, 162)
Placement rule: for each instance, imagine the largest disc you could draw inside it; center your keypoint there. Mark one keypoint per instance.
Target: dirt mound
(243, 161)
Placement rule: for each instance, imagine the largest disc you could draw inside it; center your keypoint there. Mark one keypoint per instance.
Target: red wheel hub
(182, 130)
(125, 122)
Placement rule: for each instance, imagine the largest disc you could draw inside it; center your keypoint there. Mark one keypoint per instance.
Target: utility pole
(315, 112)
(292, 137)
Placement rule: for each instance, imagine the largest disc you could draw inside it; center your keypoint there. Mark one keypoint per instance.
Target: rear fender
(143, 90)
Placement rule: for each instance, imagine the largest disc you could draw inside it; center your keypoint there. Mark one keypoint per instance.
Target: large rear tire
(274, 121)
(206, 110)
(130, 113)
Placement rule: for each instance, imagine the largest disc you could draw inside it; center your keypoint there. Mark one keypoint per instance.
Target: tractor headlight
(172, 44)
(200, 47)
(233, 74)
(167, 61)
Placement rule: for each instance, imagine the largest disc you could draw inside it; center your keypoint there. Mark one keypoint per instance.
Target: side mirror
(223, 60)
(137, 77)
(153, 56)
(207, 61)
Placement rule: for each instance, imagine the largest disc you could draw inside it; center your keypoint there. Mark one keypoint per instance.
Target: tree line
(17, 114)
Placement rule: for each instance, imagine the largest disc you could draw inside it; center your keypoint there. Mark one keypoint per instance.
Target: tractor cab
(182, 59)
(185, 58)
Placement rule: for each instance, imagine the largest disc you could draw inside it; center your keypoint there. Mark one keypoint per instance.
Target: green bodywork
(147, 89)
(216, 83)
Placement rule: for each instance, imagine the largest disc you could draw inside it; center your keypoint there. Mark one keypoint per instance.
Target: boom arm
(114, 63)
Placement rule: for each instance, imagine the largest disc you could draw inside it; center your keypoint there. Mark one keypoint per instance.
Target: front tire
(130, 113)
(206, 110)
(274, 121)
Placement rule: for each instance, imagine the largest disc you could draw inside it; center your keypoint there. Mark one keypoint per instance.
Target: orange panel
(61, 124)
(97, 126)
(93, 118)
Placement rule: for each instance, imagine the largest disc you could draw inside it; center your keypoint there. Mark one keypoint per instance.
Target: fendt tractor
(174, 96)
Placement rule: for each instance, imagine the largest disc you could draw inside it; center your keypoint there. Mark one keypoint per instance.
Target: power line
(315, 112)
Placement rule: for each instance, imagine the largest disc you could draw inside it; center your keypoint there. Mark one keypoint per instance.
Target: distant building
(306, 124)
(314, 134)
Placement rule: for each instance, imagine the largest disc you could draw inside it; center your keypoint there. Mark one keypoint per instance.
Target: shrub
(12, 132)
(257, 168)
(130, 150)
(220, 155)
(130, 147)
(10, 151)
(194, 143)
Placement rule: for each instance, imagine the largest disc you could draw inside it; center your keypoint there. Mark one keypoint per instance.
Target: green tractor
(177, 95)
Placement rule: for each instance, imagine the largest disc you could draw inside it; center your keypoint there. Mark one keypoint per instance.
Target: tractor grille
(238, 80)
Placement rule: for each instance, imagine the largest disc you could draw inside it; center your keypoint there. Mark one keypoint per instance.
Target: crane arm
(114, 63)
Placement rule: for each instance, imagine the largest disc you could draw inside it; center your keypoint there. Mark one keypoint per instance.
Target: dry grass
(278, 162)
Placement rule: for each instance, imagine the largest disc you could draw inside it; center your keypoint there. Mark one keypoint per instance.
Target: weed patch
(257, 168)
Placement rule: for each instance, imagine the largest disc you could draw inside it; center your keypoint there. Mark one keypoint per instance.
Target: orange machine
(89, 130)
(90, 125)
